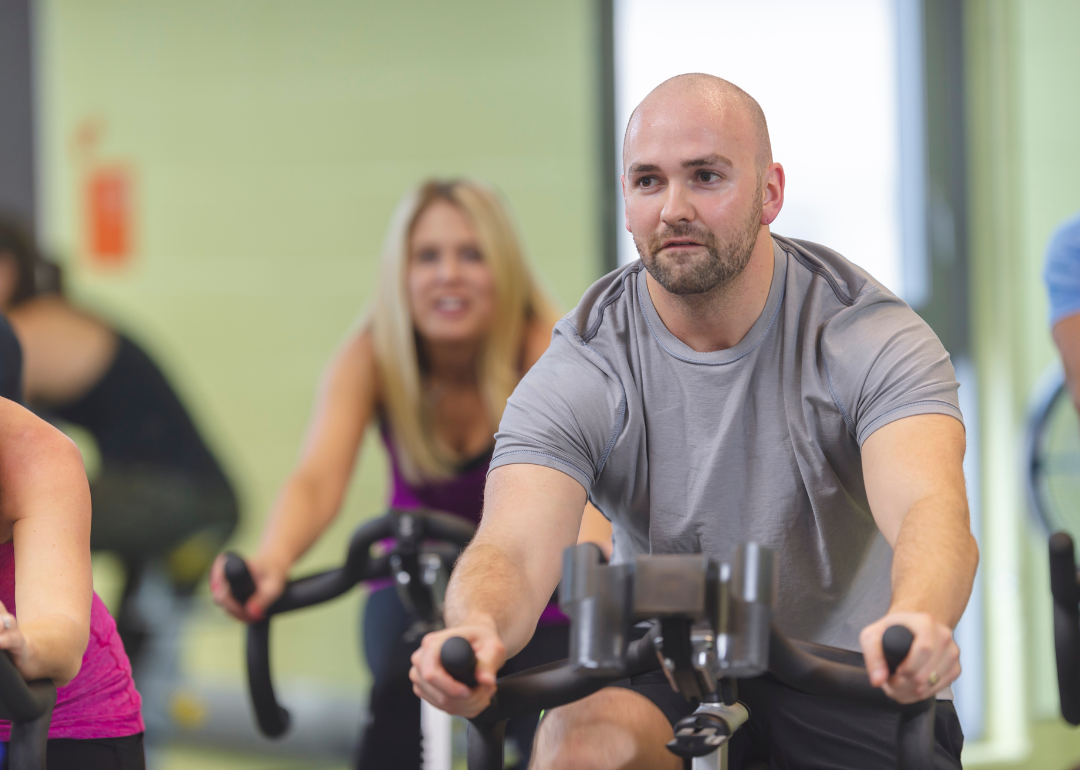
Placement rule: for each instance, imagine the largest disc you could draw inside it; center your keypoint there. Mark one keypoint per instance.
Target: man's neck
(718, 319)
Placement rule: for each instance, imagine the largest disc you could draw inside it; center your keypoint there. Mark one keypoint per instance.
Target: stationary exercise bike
(711, 625)
(28, 706)
(425, 545)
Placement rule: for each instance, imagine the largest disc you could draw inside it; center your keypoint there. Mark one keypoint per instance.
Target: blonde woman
(457, 320)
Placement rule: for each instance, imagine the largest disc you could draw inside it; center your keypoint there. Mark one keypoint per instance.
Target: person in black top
(10, 363)
(160, 499)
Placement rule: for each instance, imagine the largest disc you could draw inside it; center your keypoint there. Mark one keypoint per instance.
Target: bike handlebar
(810, 668)
(22, 701)
(360, 566)
(28, 706)
(1063, 587)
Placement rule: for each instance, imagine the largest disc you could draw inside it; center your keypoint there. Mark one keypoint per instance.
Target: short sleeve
(565, 413)
(1062, 271)
(883, 363)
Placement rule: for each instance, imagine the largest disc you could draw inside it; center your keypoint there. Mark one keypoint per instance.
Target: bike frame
(715, 626)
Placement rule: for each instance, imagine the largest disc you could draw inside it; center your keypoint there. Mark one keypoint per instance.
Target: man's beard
(722, 263)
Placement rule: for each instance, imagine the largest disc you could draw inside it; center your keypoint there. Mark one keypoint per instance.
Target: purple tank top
(101, 701)
(461, 495)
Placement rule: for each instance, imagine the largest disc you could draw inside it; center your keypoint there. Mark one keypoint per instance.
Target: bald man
(731, 386)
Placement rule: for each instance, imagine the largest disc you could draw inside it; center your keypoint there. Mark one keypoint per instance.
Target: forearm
(300, 515)
(55, 644)
(934, 560)
(489, 586)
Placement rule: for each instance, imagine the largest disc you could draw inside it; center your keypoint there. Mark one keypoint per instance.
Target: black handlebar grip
(1063, 586)
(237, 573)
(915, 730)
(272, 718)
(459, 660)
(22, 701)
(896, 644)
(1063, 569)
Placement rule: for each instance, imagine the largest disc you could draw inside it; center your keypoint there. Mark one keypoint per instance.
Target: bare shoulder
(31, 451)
(537, 339)
(355, 363)
(52, 314)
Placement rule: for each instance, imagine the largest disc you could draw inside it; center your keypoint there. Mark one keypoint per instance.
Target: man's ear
(772, 193)
(626, 212)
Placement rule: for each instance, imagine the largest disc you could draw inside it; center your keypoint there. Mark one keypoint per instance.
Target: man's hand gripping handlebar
(455, 669)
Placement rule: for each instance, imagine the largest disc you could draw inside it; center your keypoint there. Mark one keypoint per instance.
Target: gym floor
(1054, 747)
(189, 758)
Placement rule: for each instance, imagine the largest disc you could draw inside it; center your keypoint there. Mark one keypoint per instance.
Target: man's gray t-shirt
(691, 452)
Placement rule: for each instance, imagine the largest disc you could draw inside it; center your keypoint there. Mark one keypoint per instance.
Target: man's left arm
(913, 469)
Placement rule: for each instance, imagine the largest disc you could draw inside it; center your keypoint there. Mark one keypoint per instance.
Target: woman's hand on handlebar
(932, 664)
(269, 583)
(433, 684)
(12, 640)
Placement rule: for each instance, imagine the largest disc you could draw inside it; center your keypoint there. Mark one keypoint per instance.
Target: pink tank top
(101, 702)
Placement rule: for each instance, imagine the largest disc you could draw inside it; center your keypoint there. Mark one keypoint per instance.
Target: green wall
(1023, 79)
(270, 141)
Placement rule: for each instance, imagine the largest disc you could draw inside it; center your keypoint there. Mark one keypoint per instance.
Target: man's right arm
(1066, 334)
(503, 581)
(1062, 276)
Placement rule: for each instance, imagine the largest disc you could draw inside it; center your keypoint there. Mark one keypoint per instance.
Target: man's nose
(677, 206)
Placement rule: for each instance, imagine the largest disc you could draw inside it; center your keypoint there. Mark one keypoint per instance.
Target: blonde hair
(518, 300)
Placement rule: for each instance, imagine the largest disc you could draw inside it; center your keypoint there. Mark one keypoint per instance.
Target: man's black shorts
(790, 730)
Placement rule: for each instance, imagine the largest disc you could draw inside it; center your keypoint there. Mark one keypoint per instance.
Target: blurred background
(216, 176)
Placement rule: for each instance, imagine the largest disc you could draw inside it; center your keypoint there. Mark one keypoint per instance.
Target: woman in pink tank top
(52, 624)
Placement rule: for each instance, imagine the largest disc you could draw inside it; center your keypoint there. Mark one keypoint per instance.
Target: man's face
(692, 192)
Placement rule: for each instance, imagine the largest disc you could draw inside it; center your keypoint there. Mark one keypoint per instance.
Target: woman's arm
(537, 339)
(45, 501)
(311, 496)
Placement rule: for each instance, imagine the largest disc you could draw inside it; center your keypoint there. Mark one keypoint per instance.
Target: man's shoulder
(846, 283)
(848, 305)
(602, 301)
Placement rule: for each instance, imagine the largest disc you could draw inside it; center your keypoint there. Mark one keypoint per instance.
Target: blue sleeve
(1062, 273)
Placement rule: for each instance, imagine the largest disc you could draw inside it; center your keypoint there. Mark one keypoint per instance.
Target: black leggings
(391, 737)
(95, 754)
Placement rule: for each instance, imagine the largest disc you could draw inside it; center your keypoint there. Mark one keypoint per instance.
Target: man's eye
(647, 181)
(708, 176)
